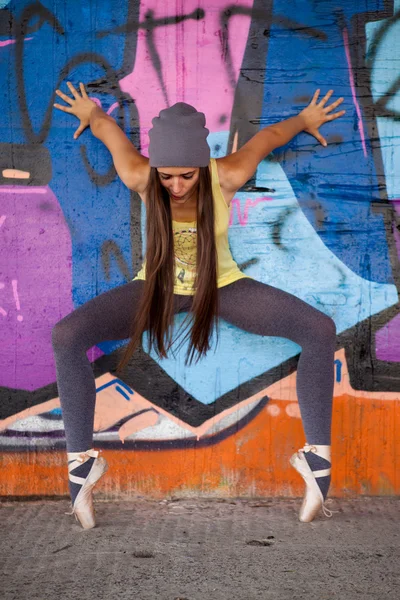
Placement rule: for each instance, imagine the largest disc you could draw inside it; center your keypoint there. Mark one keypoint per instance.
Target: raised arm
(131, 166)
(241, 165)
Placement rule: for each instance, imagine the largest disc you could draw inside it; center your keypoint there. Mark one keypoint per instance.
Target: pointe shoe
(313, 499)
(82, 507)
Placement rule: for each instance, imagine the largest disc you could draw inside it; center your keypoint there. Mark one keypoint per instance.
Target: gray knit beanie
(178, 138)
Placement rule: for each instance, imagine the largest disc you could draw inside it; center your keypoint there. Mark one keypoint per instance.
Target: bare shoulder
(230, 174)
(240, 166)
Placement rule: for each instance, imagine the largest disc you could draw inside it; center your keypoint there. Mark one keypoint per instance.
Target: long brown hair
(155, 310)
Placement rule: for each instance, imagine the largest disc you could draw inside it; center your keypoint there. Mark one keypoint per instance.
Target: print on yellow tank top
(185, 244)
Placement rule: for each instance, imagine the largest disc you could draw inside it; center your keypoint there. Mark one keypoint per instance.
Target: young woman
(188, 267)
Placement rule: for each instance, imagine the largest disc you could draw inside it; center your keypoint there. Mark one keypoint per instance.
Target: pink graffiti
(112, 107)
(192, 69)
(99, 104)
(353, 90)
(8, 42)
(2, 311)
(396, 202)
(16, 298)
(23, 190)
(248, 204)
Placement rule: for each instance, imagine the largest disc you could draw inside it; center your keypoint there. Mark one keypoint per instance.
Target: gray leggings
(248, 304)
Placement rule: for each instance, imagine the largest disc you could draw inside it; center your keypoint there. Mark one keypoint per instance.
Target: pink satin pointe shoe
(316, 472)
(82, 507)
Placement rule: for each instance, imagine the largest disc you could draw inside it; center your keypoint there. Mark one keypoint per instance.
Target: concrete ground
(194, 549)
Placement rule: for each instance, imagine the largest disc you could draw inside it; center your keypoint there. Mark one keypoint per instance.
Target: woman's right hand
(81, 106)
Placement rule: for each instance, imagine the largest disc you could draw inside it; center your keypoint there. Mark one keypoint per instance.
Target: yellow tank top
(185, 238)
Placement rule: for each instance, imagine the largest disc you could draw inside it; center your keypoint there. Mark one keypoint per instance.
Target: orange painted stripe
(252, 462)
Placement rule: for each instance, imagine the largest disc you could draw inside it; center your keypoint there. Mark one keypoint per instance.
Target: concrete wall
(321, 223)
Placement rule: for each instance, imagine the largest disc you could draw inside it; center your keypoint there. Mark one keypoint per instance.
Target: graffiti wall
(320, 223)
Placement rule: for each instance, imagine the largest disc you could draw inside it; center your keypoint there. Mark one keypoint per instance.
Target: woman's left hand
(315, 115)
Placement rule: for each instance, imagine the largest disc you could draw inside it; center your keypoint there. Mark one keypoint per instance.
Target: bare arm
(131, 166)
(237, 168)
(286, 130)
(240, 166)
